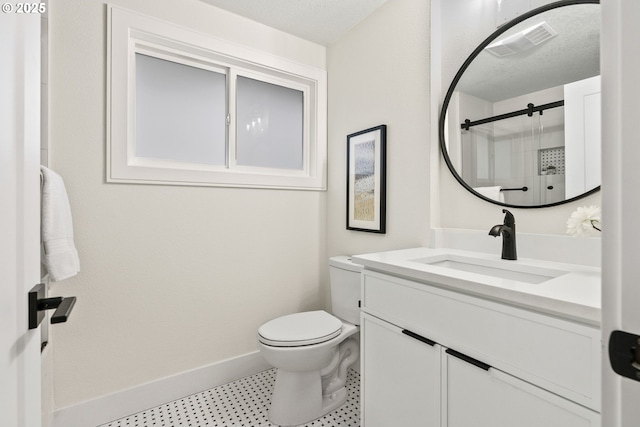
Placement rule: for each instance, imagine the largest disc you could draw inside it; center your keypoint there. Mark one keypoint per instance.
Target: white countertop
(573, 295)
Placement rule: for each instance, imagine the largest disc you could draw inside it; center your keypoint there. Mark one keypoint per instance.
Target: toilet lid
(293, 330)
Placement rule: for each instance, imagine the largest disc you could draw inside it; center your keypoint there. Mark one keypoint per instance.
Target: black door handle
(63, 311)
(624, 354)
(38, 304)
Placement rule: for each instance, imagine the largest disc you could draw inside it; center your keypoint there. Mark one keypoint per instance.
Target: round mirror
(520, 124)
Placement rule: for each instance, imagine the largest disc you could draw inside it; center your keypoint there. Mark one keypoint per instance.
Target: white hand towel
(59, 254)
(494, 193)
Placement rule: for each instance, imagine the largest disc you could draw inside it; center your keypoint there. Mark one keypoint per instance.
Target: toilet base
(300, 397)
(287, 406)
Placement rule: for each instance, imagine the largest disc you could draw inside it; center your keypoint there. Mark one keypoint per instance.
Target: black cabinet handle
(418, 337)
(468, 359)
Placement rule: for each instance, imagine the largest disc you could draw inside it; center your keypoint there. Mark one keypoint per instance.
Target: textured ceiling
(572, 55)
(320, 21)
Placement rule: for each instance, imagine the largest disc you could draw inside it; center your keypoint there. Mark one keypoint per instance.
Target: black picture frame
(366, 180)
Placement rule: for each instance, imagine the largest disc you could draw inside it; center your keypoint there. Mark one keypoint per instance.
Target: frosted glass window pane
(269, 125)
(180, 112)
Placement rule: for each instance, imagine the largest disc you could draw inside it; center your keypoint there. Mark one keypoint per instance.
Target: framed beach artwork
(366, 180)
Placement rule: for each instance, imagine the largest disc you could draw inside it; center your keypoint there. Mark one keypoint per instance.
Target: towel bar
(515, 189)
(38, 304)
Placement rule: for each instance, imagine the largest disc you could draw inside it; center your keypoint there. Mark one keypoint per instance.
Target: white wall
(379, 74)
(173, 278)
(465, 24)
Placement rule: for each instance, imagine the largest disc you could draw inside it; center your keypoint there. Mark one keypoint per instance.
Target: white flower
(584, 221)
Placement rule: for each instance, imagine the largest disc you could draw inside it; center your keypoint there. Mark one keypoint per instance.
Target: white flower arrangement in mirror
(584, 221)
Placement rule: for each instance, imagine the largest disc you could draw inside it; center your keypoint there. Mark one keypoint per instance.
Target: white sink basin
(570, 291)
(500, 269)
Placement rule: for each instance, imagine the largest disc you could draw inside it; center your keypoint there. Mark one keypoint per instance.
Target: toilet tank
(344, 276)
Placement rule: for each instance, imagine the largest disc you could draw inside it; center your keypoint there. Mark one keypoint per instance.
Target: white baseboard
(101, 410)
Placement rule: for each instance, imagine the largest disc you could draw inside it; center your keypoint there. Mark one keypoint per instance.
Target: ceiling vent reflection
(524, 40)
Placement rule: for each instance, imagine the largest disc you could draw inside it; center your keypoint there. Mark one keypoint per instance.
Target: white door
(582, 138)
(620, 201)
(19, 217)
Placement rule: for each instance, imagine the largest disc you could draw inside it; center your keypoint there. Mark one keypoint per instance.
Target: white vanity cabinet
(402, 386)
(477, 396)
(467, 361)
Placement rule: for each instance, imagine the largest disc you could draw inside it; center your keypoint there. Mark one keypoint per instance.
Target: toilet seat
(300, 329)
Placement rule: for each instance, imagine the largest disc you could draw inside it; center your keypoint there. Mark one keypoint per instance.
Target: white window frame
(130, 33)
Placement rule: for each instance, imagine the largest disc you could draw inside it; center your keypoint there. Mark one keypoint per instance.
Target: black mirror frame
(456, 79)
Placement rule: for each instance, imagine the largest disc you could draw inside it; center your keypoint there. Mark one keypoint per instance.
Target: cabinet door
(478, 397)
(400, 377)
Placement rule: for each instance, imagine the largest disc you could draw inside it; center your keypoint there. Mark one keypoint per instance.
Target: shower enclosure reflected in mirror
(520, 124)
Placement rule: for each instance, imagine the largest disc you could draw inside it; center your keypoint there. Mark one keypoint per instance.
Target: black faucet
(508, 231)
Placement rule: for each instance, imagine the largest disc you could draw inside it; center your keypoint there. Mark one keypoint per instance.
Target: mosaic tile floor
(241, 403)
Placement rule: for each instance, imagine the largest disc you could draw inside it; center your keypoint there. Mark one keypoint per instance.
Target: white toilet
(313, 350)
